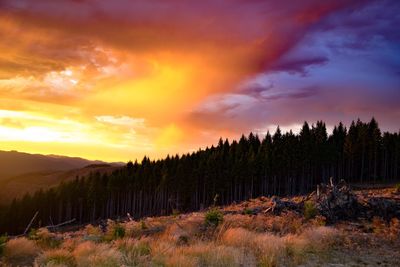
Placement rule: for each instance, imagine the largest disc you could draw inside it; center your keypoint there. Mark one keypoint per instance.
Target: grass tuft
(57, 257)
(3, 241)
(20, 251)
(214, 217)
(310, 211)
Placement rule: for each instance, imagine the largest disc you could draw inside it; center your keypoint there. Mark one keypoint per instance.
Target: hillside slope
(23, 172)
(18, 186)
(13, 163)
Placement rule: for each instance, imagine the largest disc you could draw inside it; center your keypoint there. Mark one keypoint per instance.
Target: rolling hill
(22, 172)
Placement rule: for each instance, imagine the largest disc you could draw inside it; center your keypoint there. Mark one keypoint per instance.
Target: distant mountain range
(23, 172)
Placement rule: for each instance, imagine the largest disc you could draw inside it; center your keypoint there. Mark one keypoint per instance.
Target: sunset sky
(117, 80)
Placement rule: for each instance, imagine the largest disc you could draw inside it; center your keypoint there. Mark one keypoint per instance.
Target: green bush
(119, 231)
(397, 186)
(3, 241)
(214, 217)
(248, 211)
(114, 231)
(310, 211)
(32, 235)
(143, 225)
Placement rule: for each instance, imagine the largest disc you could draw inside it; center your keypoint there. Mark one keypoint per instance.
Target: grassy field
(235, 235)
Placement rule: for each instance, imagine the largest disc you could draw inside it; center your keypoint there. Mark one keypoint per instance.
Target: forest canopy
(276, 164)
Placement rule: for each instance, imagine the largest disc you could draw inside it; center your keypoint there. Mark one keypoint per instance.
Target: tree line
(277, 164)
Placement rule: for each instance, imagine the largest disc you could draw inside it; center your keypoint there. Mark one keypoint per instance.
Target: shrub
(248, 211)
(310, 211)
(143, 225)
(397, 186)
(58, 257)
(32, 234)
(214, 217)
(119, 231)
(45, 239)
(3, 241)
(20, 251)
(114, 231)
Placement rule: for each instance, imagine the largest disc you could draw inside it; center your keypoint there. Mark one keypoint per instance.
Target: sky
(117, 80)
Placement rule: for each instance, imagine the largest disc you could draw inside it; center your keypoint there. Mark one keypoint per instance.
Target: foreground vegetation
(236, 235)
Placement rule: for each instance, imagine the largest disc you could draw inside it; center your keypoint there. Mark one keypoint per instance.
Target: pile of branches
(337, 202)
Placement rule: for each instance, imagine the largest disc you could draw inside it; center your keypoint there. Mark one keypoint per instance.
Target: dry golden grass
(272, 250)
(186, 240)
(183, 231)
(267, 248)
(394, 229)
(388, 230)
(205, 254)
(45, 239)
(93, 230)
(241, 240)
(90, 254)
(286, 223)
(134, 252)
(20, 251)
(57, 257)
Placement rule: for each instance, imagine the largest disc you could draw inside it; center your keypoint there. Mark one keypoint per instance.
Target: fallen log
(30, 223)
(60, 224)
(278, 205)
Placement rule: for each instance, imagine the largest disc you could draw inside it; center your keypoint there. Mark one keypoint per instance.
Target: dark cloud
(299, 65)
(258, 33)
(256, 89)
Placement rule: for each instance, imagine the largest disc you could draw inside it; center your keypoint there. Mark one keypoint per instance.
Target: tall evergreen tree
(278, 164)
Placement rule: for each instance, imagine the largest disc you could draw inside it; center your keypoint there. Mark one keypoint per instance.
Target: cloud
(121, 120)
(299, 65)
(255, 89)
(191, 71)
(258, 32)
(305, 92)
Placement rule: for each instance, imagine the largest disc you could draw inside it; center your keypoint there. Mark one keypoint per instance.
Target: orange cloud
(122, 78)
